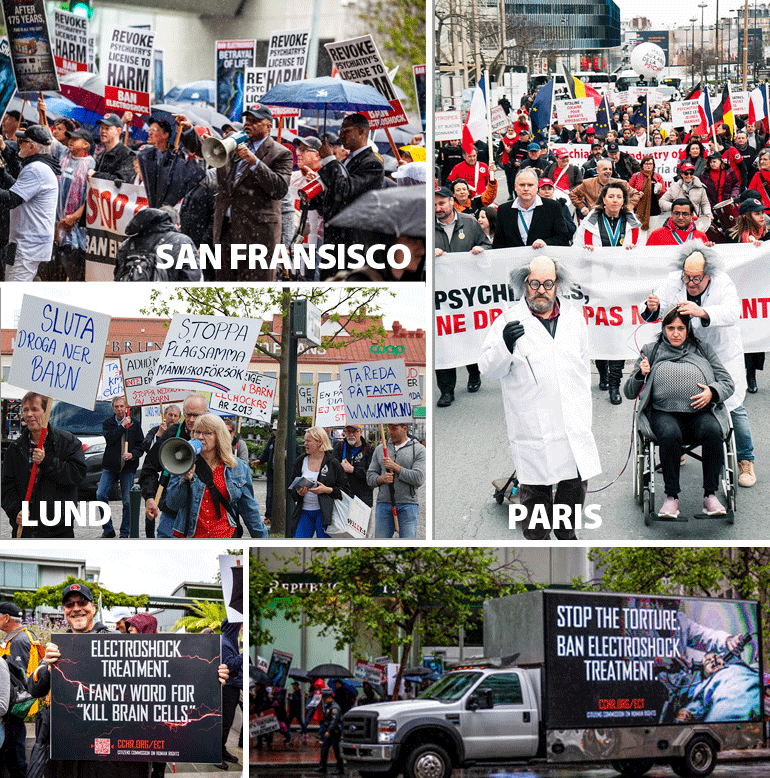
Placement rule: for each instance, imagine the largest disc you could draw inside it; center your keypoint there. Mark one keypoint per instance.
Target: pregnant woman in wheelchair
(682, 386)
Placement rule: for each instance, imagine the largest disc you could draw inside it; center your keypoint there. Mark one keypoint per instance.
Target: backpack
(138, 266)
(21, 701)
(24, 704)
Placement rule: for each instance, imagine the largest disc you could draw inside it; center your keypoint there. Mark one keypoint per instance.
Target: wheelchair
(646, 478)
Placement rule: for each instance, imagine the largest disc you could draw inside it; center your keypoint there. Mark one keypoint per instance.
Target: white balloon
(648, 59)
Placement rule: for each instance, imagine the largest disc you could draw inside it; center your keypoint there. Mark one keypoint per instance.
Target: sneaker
(712, 506)
(747, 477)
(670, 508)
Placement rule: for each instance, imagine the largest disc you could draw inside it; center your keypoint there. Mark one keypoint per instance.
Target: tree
(265, 599)
(205, 613)
(51, 596)
(351, 310)
(395, 596)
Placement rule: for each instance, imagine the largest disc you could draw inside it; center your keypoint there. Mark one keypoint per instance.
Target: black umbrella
(236, 596)
(168, 179)
(421, 671)
(399, 210)
(299, 675)
(329, 671)
(258, 676)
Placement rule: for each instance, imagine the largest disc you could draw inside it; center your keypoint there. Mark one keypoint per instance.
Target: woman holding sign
(318, 479)
(217, 492)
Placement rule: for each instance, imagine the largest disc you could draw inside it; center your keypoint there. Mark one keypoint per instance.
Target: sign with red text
(580, 111)
(499, 118)
(329, 405)
(138, 376)
(70, 43)
(447, 125)
(129, 64)
(253, 400)
(685, 113)
(376, 392)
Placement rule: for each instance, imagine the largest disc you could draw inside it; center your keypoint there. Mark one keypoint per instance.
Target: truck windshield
(451, 687)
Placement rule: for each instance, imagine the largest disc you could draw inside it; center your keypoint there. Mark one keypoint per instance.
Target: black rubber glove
(511, 333)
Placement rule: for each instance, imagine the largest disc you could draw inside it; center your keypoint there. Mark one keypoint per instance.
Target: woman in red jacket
(720, 182)
(761, 180)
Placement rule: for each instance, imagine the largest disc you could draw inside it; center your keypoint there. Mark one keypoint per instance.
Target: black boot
(615, 375)
(604, 373)
(751, 380)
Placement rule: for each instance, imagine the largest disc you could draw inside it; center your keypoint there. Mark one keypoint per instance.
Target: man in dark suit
(251, 185)
(529, 220)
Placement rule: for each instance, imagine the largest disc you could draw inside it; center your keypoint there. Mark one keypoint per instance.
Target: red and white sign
(70, 44)
(129, 63)
(499, 118)
(581, 111)
(329, 405)
(138, 374)
(685, 113)
(740, 101)
(447, 125)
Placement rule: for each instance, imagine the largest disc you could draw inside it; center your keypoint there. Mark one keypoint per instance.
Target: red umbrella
(87, 90)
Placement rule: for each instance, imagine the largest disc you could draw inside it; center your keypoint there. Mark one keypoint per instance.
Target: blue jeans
(165, 528)
(384, 526)
(310, 522)
(744, 448)
(106, 482)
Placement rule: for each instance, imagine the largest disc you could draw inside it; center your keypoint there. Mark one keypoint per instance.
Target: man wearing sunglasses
(689, 187)
(538, 349)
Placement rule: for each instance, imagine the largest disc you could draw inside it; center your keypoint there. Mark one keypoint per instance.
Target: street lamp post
(702, 7)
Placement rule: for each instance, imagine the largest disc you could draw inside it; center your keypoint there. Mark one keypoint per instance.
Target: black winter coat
(547, 224)
(149, 478)
(116, 164)
(361, 461)
(114, 434)
(330, 474)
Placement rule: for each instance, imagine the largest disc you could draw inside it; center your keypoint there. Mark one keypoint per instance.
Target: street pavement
(260, 493)
(471, 450)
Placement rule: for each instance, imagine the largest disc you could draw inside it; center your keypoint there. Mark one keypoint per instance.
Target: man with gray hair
(539, 350)
(699, 287)
(32, 200)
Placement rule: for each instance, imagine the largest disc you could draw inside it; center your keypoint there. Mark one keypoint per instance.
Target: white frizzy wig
(714, 263)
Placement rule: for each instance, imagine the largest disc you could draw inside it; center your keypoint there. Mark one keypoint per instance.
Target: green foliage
(51, 595)
(265, 600)
(204, 614)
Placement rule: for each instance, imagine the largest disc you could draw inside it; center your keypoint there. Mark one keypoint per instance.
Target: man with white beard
(355, 454)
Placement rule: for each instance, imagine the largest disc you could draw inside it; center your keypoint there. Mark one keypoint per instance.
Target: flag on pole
(475, 127)
(641, 116)
(541, 111)
(723, 113)
(577, 89)
(704, 108)
(604, 123)
(759, 108)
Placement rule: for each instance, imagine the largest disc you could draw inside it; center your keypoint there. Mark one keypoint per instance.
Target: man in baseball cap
(308, 162)
(355, 455)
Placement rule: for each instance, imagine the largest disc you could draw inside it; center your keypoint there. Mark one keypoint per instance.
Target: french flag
(475, 127)
(758, 105)
(704, 109)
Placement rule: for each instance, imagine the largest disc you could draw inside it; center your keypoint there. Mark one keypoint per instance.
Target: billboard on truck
(614, 660)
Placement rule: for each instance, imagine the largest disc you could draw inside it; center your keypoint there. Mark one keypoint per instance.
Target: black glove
(511, 333)
(118, 183)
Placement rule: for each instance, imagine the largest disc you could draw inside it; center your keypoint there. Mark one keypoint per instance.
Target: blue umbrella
(194, 92)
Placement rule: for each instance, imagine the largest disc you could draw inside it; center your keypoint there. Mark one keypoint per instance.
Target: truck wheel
(700, 758)
(428, 761)
(632, 768)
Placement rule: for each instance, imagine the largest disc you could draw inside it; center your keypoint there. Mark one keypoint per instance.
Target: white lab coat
(546, 395)
(720, 301)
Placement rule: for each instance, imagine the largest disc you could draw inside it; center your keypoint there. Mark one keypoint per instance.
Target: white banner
(580, 111)
(447, 125)
(138, 376)
(208, 353)
(685, 113)
(666, 158)
(58, 351)
(499, 118)
(376, 392)
(740, 102)
(610, 284)
(329, 405)
(111, 384)
(253, 400)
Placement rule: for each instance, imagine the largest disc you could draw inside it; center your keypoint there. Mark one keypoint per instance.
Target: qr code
(102, 745)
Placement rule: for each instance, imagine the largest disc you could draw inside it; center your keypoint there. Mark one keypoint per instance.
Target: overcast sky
(121, 300)
(665, 14)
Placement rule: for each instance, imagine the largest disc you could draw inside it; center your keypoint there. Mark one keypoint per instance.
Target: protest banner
(108, 212)
(262, 663)
(92, 54)
(471, 291)
(369, 671)
(231, 574)
(7, 80)
(420, 90)
(358, 59)
(329, 405)
(129, 64)
(499, 118)
(740, 101)
(305, 399)
(253, 399)
(447, 125)
(580, 111)
(70, 43)
(31, 52)
(254, 85)
(138, 376)
(231, 58)
(263, 724)
(137, 698)
(413, 386)
(667, 158)
(278, 669)
(58, 351)
(376, 392)
(209, 353)
(111, 383)
(619, 98)
(286, 58)
(685, 113)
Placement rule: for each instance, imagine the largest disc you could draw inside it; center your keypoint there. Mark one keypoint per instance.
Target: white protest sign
(138, 376)
(263, 723)
(254, 85)
(58, 351)
(447, 125)
(305, 399)
(740, 102)
(359, 60)
(70, 45)
(369, 671)
(685, 113)
(376, 392)
(329, 405)
(253, 399)
(619, 98)
(111, 384)
(413, 386)
(286, 57)
(129, 62)
(499, 118)
(231, 573)
(208, 353)
(581, 111)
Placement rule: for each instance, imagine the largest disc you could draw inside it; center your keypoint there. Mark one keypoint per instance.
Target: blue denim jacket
(240, 489)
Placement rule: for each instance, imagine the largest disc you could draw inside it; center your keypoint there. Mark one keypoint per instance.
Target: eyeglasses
(694, 280)
(206, 433)
(547, 285)
(688, 173)
(77, 603)
(192, 415)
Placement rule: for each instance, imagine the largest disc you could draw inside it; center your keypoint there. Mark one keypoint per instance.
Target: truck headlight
(386, 731)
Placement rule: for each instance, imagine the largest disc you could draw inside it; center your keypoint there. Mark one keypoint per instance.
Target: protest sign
(278, 669)
(70, 43)
(667, 158)
(369, 671)
(231, 59)
(231, 573)
(262, 663)
(581, 111)
(129, 64)
(619, 98)
(420, 90)
(138, 376)
(685, 113)
(92, 53)
(471, 291)
(329, 405)
(254, 85)
(7, 80)
(740, 101)
(286, 58)
(376, 392)
(263, 724)
(447, 125)
(305, 399)
(58, 351)
(358, 59)
(157, 78)
(210, 353)
(108, 212)
(413, 386)
(111, 383)
(499, 118)
(31, 54)
(253, 399)
(137, 698)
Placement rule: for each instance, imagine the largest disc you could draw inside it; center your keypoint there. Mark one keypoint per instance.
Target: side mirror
(481, 700)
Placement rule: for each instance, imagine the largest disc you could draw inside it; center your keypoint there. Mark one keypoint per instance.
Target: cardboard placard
(685, 113)
(253, 399)
(413, 386)
(70, 44)
(581, 111)
(305, 399)
(447, 125)
(329, 405)
(111, 383)
(138, 376)
(231, 58)
(499, 118)
(278, 669)
(376, 392)
(30, 42)
(129, 65)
